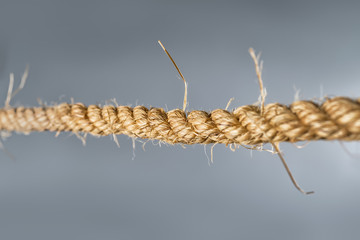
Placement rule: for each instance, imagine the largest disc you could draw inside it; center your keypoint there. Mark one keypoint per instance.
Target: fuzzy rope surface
(335, 119)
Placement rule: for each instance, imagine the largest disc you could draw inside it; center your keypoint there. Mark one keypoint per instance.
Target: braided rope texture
(335, 119)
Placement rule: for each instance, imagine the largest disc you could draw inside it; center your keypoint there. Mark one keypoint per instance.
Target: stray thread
(182, 76)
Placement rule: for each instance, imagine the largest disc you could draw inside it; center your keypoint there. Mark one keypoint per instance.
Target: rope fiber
(335, 119)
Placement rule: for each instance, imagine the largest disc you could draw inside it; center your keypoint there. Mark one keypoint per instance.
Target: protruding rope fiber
(335, 119)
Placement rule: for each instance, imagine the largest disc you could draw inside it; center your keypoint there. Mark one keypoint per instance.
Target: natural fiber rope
(335, 119)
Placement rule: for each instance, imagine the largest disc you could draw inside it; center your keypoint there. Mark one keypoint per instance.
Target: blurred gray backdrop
(94, 51)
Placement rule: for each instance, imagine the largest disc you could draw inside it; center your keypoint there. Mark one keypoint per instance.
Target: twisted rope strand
(335, 119)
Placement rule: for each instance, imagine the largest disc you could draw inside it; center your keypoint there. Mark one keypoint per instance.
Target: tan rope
(335, 119)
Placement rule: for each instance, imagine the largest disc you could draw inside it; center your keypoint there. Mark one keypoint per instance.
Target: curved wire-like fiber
(335, 119)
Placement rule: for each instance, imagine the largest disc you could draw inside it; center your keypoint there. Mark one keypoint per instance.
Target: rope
(335, 119)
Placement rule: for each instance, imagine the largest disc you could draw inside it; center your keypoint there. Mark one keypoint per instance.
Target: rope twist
(335, 119)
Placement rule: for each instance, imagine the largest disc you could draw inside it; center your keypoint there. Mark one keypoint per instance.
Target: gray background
(97, 50)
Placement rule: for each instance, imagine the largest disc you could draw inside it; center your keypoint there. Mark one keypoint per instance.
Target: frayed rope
(335, 119)
(249, 126)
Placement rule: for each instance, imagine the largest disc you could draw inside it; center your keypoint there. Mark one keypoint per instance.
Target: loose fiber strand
(258, 69)
(181, 75)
